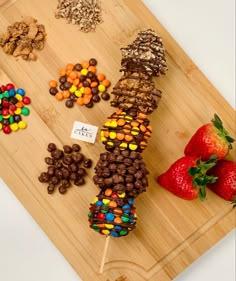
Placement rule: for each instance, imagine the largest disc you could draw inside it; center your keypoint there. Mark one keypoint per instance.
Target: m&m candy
(12, 105)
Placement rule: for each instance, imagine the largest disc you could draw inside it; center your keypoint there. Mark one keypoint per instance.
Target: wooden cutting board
(171, 233)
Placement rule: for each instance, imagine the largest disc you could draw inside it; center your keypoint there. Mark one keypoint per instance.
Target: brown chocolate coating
(136, 91)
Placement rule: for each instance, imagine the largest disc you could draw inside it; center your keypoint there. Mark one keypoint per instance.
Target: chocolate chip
(51, 171)
(65, 183)
(57, 154)
(17, 118)
(65, 173)
(78, 67)
(105, 96)
(129, 186)
(79, 182)
(73, 97)
(95, 91)
(51, 147)
(51, 188)
(92, 75)
(73, 167)
(58, 174)
(87, 163)
(138, 175)
(93, 62)
(106, 173)
(82, 78)
(63, 87)
(67, 85)
(63, 79)
(62, 189)
(49, 161)
(89, 105)
(76, 147)
(86, 83)
(81, 172)
(96, 98)
(74, 176)
(67, 159)
(69, 103)
(67, 149)
(58, 164)
(77, 158)
(54, 180)
(5, 122)
(53, 91)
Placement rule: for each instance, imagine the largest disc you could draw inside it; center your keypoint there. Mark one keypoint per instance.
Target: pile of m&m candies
(79, 83)
(12, 106)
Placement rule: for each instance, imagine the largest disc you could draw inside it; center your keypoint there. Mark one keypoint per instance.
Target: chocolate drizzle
(135, 91)
(120, 172)
(146, 55)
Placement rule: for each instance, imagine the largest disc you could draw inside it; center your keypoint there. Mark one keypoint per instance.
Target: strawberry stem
(199, 177)
(222, 132)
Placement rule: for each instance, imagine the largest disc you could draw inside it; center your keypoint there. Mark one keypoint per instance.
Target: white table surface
(206, 31)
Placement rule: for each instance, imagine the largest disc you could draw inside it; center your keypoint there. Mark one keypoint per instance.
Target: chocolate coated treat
(121, 174)
(145, 55)
(137, 92)
(126, 131)
(112, 213)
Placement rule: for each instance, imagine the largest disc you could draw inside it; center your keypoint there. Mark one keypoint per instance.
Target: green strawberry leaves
(222, 132)
(199, 177)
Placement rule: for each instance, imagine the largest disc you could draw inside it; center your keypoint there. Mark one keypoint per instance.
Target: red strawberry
(186, 178)
(225, 186)
(210, 139)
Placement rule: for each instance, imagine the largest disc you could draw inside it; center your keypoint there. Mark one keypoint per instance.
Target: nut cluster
(22, 38)
(65, 167)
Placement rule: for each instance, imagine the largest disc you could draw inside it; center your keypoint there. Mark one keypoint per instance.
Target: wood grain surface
(171, 233)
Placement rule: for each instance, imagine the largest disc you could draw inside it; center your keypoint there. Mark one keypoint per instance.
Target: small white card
(84, 132)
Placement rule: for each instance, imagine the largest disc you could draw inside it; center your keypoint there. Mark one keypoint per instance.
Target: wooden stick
(104, 254)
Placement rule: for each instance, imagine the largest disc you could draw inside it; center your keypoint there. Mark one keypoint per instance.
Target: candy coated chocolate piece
(112, 219)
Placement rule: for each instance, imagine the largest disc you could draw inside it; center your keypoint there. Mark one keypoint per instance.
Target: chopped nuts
(84, 13)
(22, 38)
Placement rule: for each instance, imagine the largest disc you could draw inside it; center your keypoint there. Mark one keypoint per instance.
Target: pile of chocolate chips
(65, 167)
(123, 171)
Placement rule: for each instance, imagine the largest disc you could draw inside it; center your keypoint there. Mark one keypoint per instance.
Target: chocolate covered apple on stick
(121, 173)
